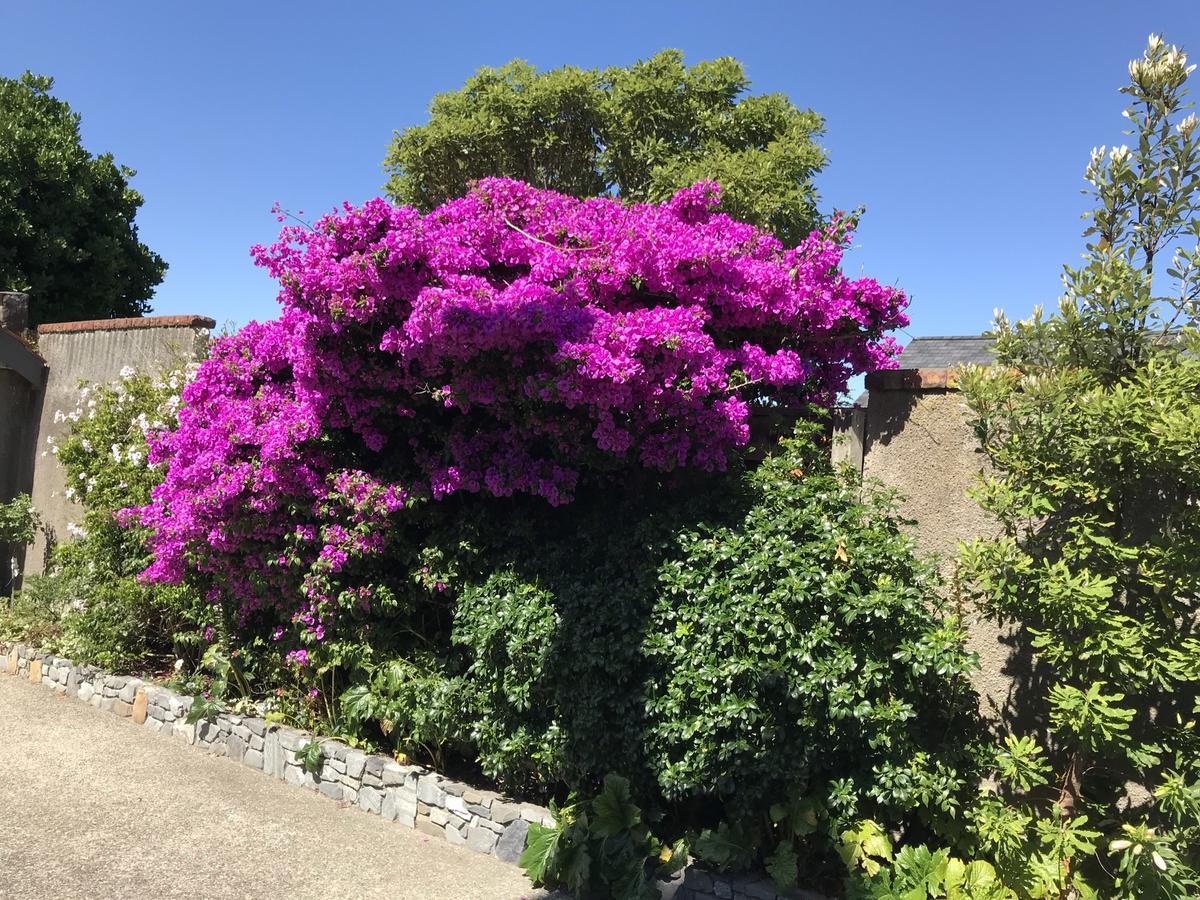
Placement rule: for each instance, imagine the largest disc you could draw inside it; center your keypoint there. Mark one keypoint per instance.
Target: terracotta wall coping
(913, 380)
(127, 324)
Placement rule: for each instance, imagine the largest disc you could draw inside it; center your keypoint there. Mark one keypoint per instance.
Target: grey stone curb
(413, 796)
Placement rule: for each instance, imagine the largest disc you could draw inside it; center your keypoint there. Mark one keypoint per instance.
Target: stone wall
(93, 353)
(411, 796)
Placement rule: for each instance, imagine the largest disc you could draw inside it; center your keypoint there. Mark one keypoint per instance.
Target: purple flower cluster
(513, 340)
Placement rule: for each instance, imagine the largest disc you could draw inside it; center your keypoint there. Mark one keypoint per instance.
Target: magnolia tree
(513, 341)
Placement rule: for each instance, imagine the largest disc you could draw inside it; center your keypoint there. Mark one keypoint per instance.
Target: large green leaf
(614, 808)
(540, 846)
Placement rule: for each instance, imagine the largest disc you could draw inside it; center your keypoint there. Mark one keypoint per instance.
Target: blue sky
(963, 127)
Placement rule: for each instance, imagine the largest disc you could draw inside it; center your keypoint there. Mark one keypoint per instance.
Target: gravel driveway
(93, 807)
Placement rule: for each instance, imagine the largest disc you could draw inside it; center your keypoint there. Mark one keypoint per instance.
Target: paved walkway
(94, 808)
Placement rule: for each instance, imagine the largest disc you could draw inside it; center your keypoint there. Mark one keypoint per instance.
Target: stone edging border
(413, 796)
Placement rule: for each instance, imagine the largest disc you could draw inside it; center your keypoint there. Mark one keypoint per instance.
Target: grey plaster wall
(94, 352)
(917, 440)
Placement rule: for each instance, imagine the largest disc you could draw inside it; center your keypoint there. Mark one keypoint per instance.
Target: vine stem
(524, 233)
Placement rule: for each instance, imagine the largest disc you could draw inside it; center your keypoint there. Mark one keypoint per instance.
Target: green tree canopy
(641, 132)
(67, 234)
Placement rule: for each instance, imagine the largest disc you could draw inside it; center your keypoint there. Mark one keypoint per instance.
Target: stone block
(399, 806)
(429, 791)
(356, 762)
(140, 707)
(503, 813)
(86, 691)
(331, 789)
(273, 754)
(253, 759)
(697, 879)
(235, 748)
(178, 705)
(456, 806)
(370, 799)
(185, 732)
(297, 776)
(481, 840)
(455, 788)
(511, 844)
(292, 740)
(439, 816)
(424, 826)
(35, 671)
(334, 750)
(375, 765)
(394, 774)
(129, 691)
(455, 835)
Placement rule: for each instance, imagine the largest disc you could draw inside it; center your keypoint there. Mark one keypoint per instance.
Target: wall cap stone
(913, 380)
(128, 324)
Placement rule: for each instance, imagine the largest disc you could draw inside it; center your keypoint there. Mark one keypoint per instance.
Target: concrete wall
(914, 436)
(95, 352)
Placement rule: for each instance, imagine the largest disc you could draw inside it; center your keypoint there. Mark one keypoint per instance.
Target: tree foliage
(642, 132)
(67, 232)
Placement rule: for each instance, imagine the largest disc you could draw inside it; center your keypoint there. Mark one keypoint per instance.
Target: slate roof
(946, 352)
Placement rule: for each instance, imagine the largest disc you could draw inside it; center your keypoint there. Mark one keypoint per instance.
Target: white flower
(178, 664)
(59, 416)
(76, 531)
(14, 568)
(126, 372)
(116, 453)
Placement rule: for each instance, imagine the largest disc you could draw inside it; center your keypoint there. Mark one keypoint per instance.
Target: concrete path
(94, 808)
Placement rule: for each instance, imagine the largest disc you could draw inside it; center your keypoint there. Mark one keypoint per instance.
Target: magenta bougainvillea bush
(512, 341)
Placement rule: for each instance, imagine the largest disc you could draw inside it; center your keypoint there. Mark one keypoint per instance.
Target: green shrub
(17, 520)
(761, 652)
(601, 848)
(90, 599)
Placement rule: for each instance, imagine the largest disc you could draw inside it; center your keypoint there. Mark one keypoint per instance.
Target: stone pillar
(14, 311)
